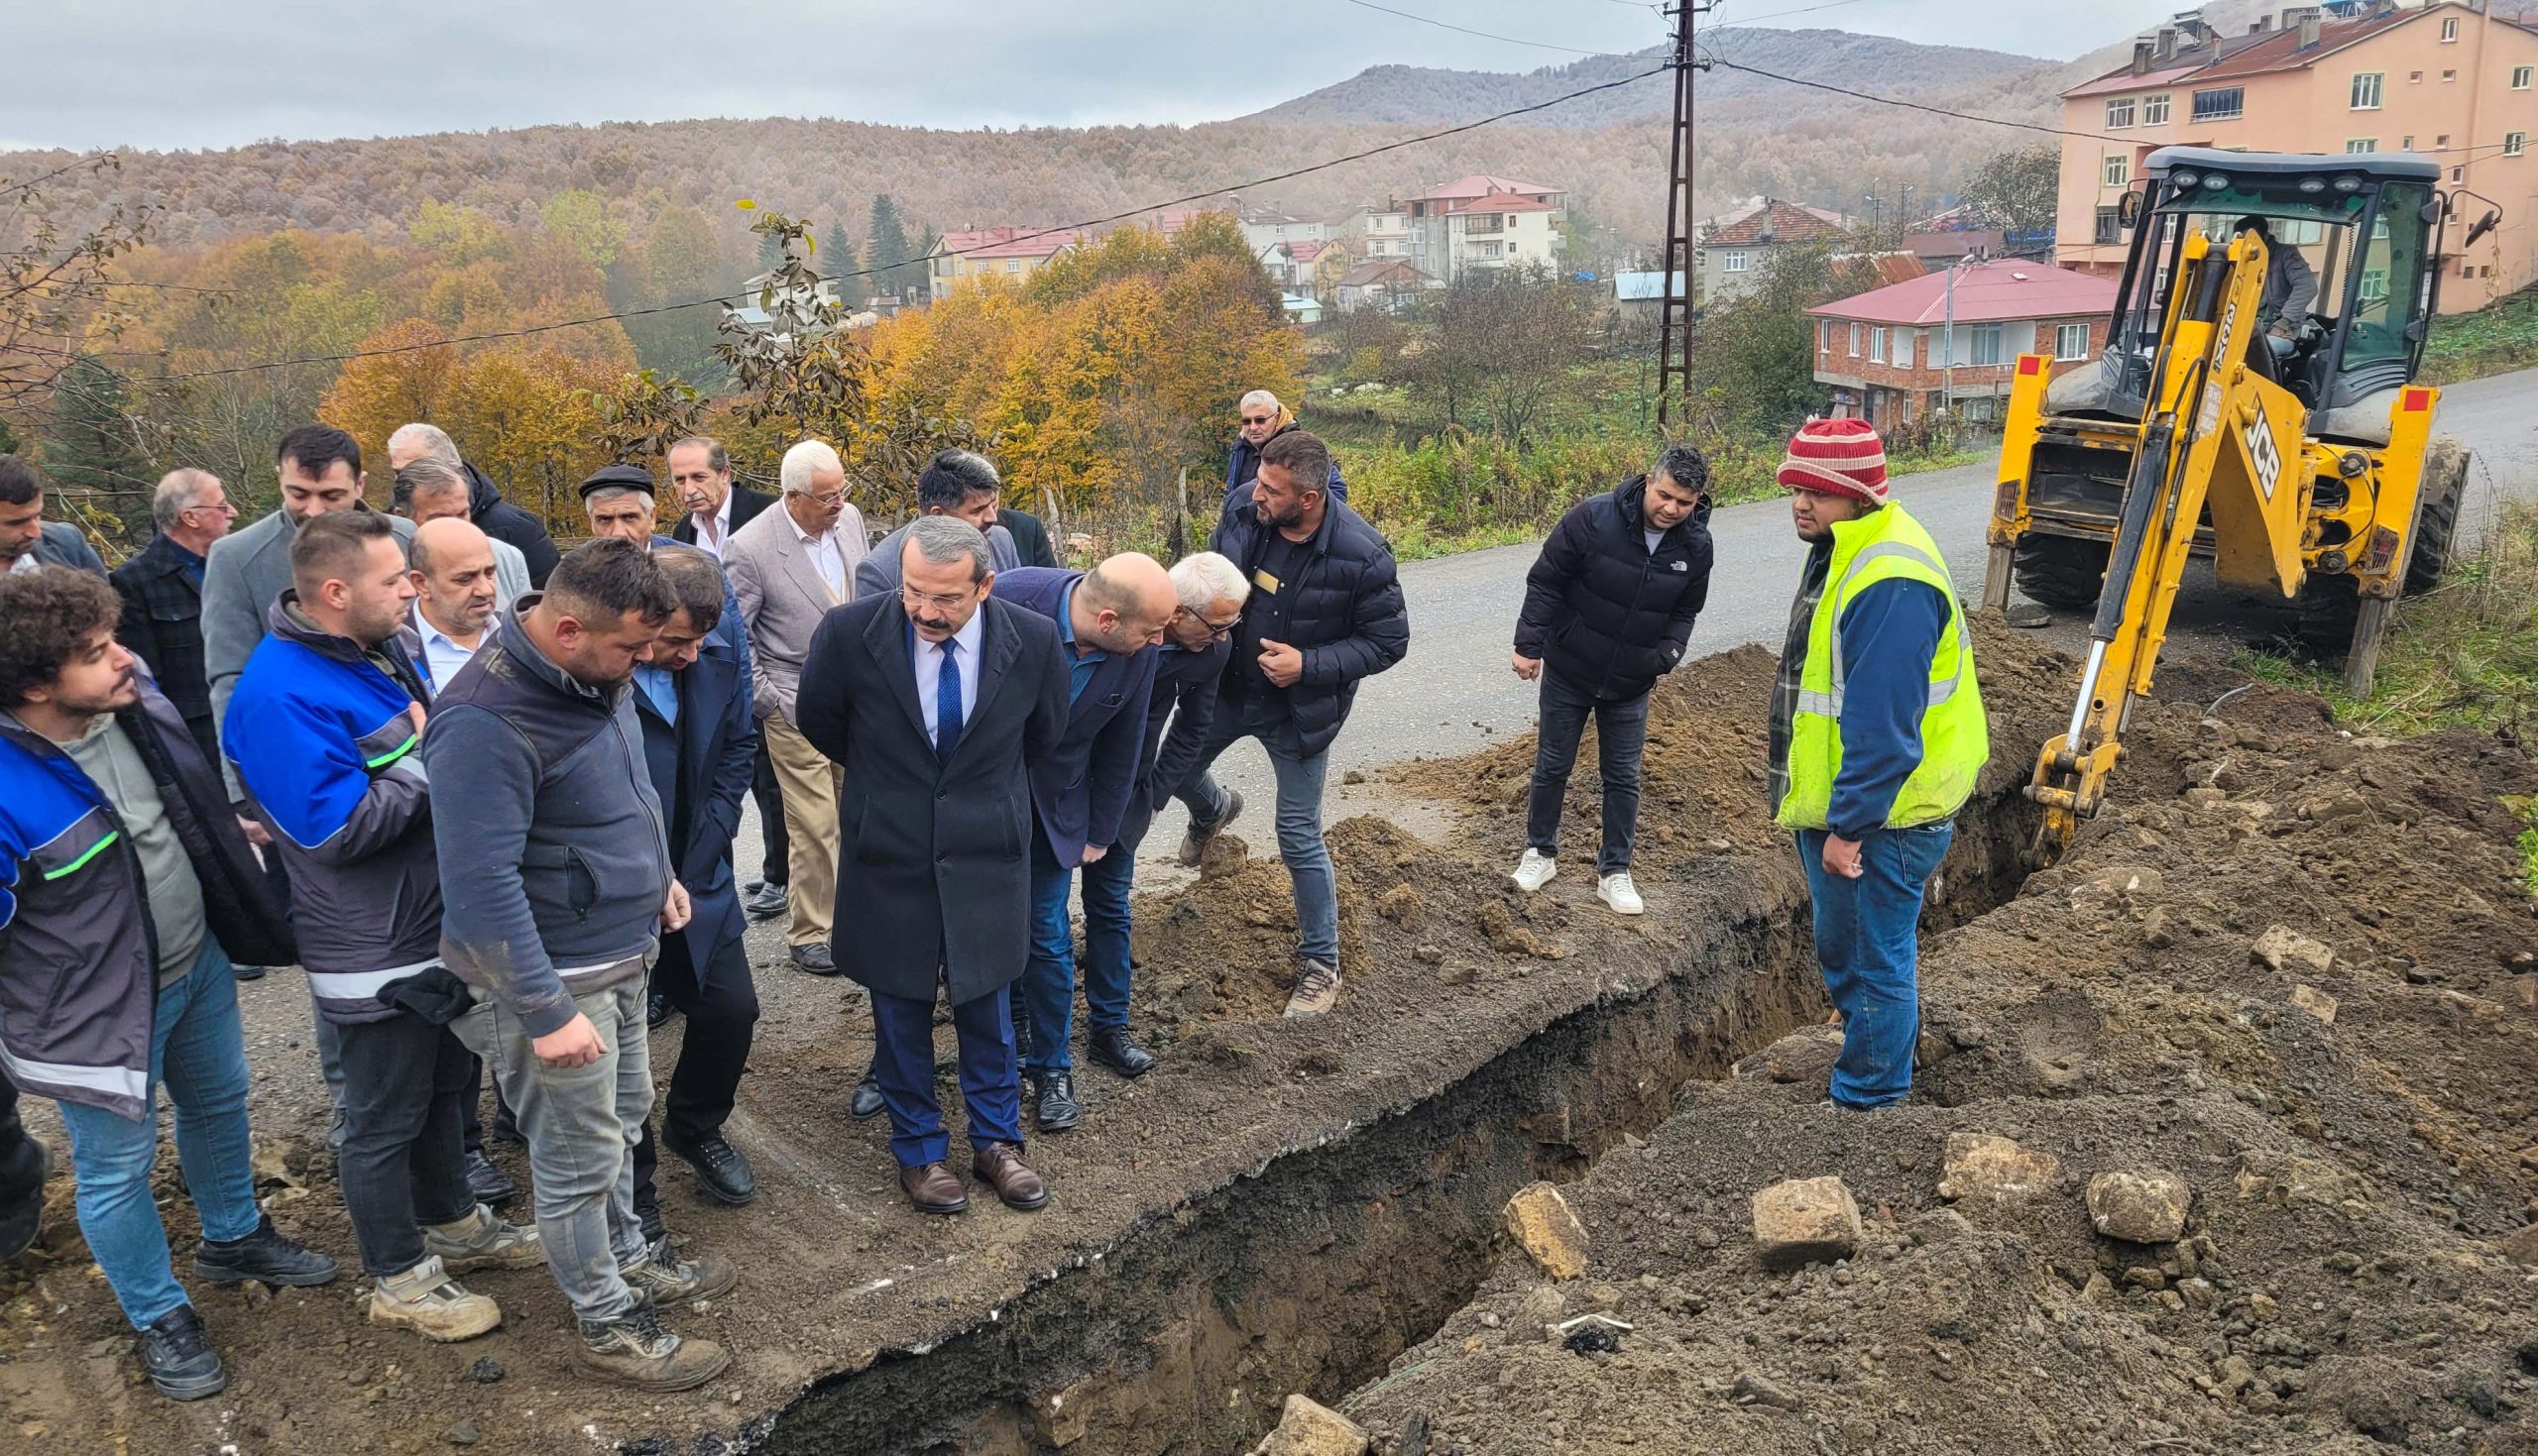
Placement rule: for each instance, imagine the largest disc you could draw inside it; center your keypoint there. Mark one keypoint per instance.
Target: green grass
(2527, 809)
(2499, 337)
(2462, 654)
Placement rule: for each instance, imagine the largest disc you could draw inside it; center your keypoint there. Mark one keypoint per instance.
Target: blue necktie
(947, 703)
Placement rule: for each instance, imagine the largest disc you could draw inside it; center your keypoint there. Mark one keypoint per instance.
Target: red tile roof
(1985, 293)
(2281, 50)
(1014, 242)
(1787, 222)
(1382, 271)
(1496, 202)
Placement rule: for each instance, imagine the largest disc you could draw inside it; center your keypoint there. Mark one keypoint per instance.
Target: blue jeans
(1105, 936)
(197, 1050)
(1300, 784)
(904, 1063)
(1044, 997)
(1868, 939)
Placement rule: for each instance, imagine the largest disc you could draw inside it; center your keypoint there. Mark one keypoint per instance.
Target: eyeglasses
(935, 600)
(833, 498)
(1216, 630)
(1259, 418)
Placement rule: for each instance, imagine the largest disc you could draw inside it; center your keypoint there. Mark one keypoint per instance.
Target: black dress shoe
(22, 1218)
(264, 1256)
(244, 973)
(1053, 1102)
(719, 1167)
(1113, 1049)
(814, 960)
(867, 1096)
(657, 1010)
(180, 1361)
(766, 902)
(492, 1186)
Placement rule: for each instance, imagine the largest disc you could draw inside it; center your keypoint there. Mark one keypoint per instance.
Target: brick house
(1885, 353)
(1734, 245)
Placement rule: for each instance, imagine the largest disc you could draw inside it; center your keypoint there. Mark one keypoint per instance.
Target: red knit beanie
(1841, 457)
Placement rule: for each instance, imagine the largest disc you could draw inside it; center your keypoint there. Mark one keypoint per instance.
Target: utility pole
(1675, 313)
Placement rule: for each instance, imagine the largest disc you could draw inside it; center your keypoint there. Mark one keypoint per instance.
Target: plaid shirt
(1801, 618)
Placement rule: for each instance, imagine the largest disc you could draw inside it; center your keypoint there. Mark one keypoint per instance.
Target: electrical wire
(1076, 227)
(1492, 34)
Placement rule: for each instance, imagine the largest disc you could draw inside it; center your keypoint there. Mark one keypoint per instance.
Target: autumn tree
(56, 281)
(96, 454)
(581, 219)
(2015, 190)
(1753, 356)
(405, 377)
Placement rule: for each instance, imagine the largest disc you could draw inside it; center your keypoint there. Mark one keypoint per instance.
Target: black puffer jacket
(1343, 611)
(1602, 609)
(503, 521)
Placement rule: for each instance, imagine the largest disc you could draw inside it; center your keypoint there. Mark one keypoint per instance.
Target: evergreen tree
(92, 451)
(918, 268)
(770, 252)
(886, 245)
(837, 260)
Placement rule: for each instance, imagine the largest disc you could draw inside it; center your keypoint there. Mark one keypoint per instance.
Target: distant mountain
(1401, 95)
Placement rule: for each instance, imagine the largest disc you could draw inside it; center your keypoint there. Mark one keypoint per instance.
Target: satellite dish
(2019, 276)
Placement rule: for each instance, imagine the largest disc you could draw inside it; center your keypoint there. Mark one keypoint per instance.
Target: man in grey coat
(27, 539)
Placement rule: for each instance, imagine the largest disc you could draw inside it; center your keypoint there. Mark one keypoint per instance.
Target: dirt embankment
(2290, 968)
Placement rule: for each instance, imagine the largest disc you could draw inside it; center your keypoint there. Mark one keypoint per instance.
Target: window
(2520, 76)
(2515, 143)
(2155, 109)
(2118, 170)
(1899, 348)
(1732, 262)
(1855, 341)
(2071, 341)
(2414, 78)
(2450, 30)
(2362, 144)
(2458, 174)
(2409, 145)
(2110, 224)
(2119, 114)
(2220, 103)
(1877, 345)
(2366, 90)
(2448, 76)
(1824, 336)
(1975, 344)
(1013, 264)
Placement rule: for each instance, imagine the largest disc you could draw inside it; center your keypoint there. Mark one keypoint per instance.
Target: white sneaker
(1617, 891)
(1534, 870)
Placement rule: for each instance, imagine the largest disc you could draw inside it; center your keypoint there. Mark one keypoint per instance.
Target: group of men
(486, 796)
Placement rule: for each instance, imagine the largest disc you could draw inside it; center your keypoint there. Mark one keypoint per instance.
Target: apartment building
(1889, 356)
(1011, 252)
(2444, 80)
(1484, 224)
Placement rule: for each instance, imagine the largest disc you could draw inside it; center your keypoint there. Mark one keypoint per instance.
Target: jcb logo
(2263, 454)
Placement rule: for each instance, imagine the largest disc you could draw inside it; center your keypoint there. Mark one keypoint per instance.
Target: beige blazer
(783, 597)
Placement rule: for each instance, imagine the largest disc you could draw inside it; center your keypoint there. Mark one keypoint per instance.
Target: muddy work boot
(426, 1300)
(1317, 988)
(1195, 841)
(1533, 871)
(265, 1257)
(484, 1240)
(664, 1279)
(634, 1348)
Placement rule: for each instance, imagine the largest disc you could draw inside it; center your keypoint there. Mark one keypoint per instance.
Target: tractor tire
(2060, 570)
(2328, 607)
(2445, 482)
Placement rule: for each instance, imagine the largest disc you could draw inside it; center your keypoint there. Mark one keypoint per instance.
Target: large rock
(1309, 1430)
(1539, 1218)
(1803, 1221)
(1985, 1169)
(2314, 1001)
(2283, 948)
(2522, 1245)
(2140, 1207)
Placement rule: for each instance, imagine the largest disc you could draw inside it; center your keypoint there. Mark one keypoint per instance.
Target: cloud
(180, 73)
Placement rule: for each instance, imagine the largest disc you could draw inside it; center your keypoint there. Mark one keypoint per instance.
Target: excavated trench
(1314, 1270)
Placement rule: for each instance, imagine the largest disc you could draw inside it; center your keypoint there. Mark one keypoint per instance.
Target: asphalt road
(1454, 691)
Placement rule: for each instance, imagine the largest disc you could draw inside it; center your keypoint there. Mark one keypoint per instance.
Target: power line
(1801, 10)
(1076, 227)
(1997, 120)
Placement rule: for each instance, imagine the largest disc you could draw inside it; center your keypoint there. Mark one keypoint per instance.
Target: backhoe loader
(2301, 462)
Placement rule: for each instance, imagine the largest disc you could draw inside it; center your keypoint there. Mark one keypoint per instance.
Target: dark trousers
(721, 1008)
(776, 864)
(1621, 732)
(21, 1164)
(903, 1061)
(402, 1166)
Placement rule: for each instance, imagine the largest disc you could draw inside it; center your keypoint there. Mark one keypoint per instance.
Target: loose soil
(2343, 1284)
(1291, 1206)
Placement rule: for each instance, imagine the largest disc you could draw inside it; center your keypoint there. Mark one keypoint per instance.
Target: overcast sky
(171, 74)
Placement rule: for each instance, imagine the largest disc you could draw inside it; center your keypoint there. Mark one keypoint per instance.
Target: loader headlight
(2185, 177)
(2352, 464)
(2215, 183)
(2313, 184)
(2348, 183)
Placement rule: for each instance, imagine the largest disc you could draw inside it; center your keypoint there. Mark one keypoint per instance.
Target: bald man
(457, 591)
(1110, 622)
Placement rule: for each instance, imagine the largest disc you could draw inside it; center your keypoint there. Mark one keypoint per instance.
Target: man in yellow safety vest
(1877, 736)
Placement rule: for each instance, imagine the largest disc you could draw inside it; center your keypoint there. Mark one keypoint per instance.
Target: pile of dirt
(2298, 979)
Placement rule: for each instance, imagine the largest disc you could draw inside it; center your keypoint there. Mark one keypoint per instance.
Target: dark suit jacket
(934, 864)
(746, 504)
(1081, 789)
(1030, 537)
(58, 543)
(163, 622)
(1184, 695)
(714, 747)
